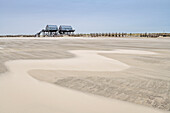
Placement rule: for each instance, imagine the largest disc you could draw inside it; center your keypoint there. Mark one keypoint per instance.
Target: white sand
(122, 51)
(20, 93)
(1, 48)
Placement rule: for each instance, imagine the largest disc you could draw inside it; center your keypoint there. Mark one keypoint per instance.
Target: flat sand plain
(132, 73)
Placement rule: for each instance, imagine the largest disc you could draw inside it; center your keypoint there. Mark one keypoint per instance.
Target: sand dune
(22, 94)
(140, 75)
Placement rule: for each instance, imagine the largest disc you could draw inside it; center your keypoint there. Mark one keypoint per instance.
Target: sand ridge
(28, 95)
(124, 85)
(146, 80)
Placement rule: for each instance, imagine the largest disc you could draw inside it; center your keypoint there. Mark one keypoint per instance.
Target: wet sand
(119, 73)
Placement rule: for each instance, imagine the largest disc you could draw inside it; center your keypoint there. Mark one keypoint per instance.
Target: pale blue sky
(86, 16)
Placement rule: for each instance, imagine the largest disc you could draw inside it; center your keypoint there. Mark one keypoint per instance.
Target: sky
(86, 16)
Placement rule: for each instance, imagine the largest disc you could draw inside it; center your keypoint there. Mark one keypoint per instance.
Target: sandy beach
(84, 75)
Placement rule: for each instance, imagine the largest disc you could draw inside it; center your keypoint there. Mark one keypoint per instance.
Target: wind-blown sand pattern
(89, 72)
(139, 74)
(57, 98)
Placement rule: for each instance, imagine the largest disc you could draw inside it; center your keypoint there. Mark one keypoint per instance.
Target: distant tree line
(152, 35)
